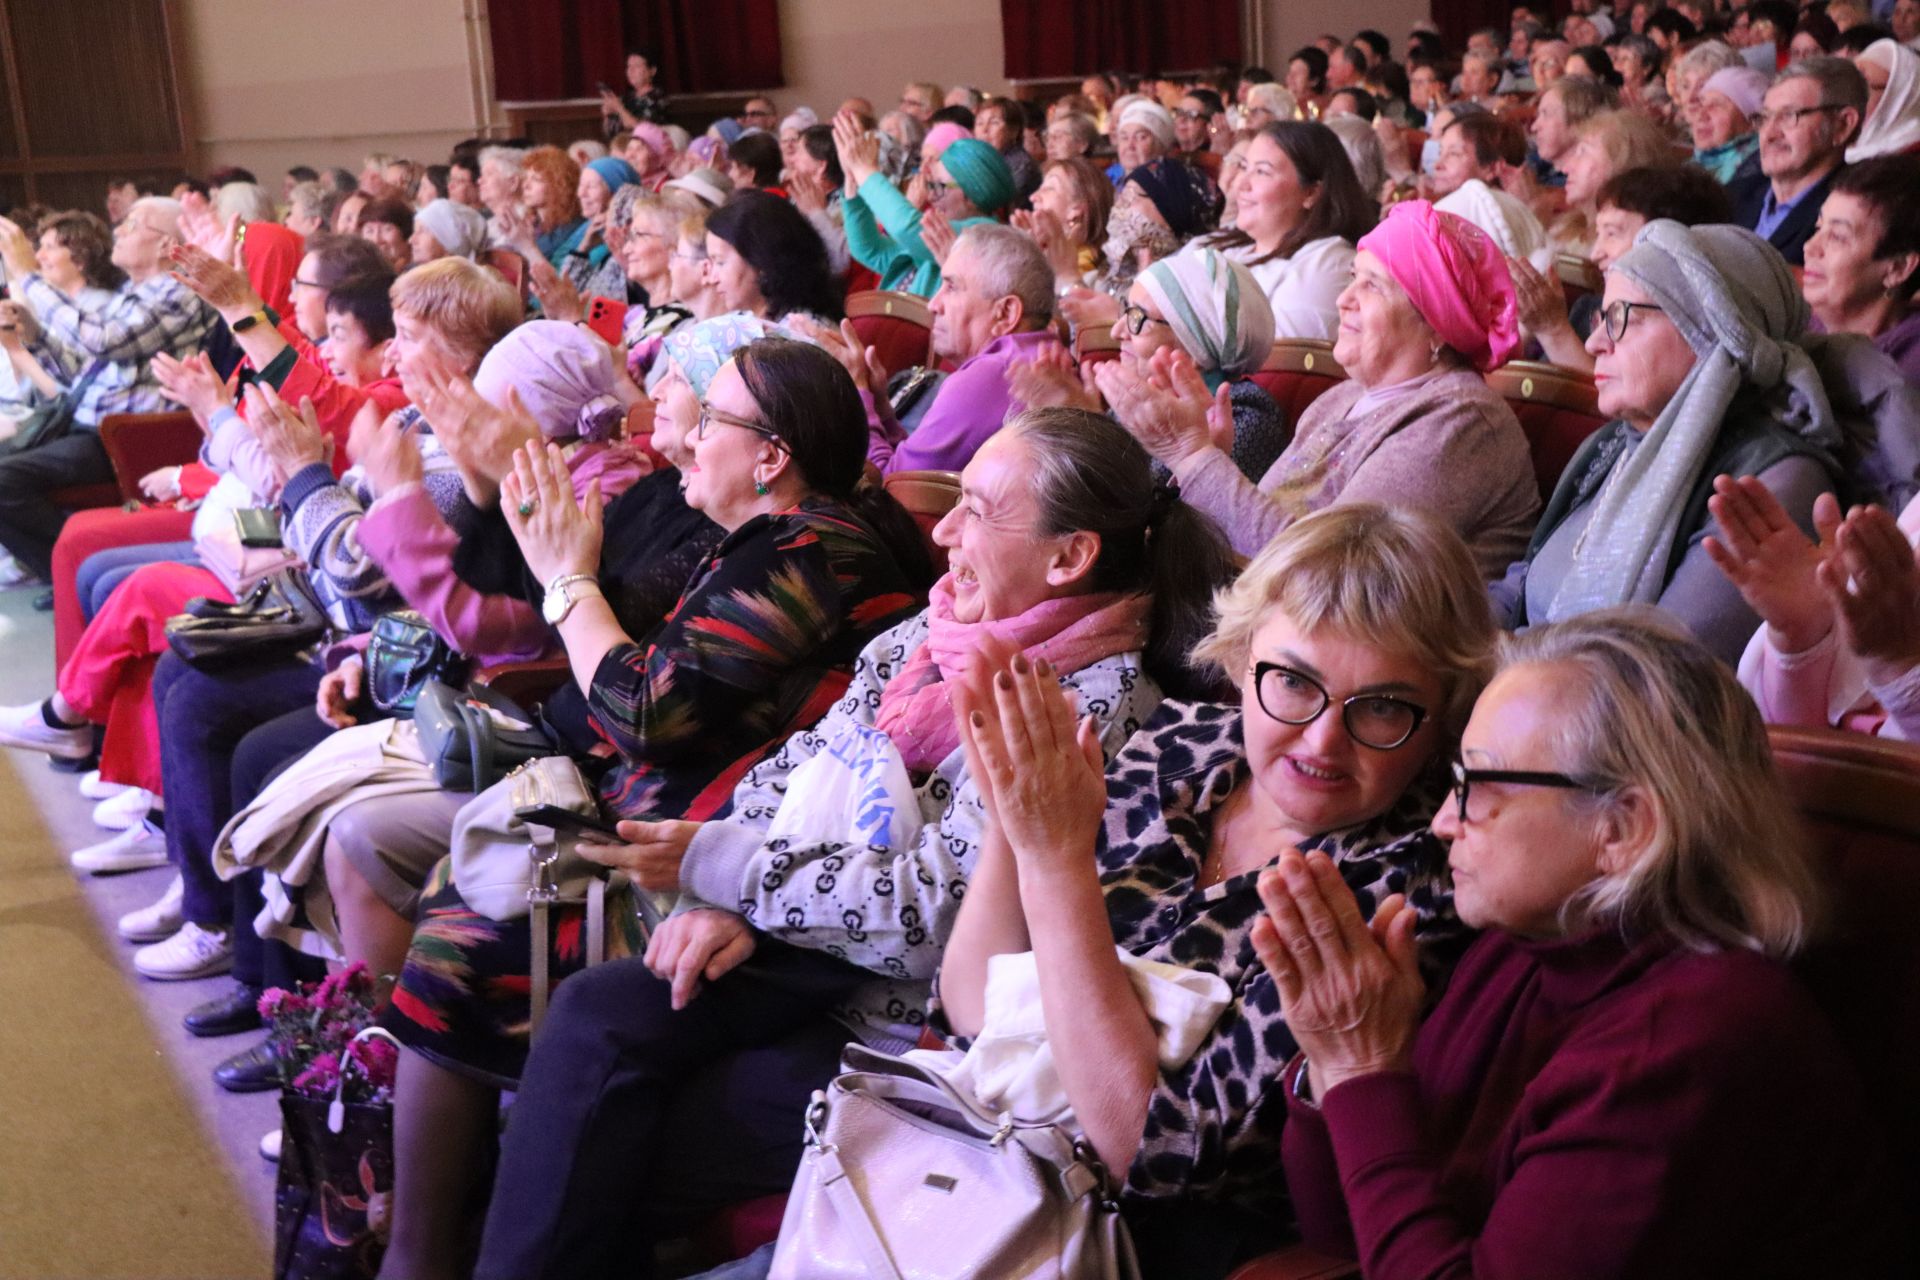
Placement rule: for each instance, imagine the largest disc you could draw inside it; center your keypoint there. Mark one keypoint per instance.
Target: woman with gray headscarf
(443, 229)
(1699, 364)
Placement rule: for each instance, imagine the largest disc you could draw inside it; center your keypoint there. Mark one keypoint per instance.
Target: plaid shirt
(141, 321)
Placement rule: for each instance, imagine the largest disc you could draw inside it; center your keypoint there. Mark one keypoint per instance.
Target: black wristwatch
(247, 322)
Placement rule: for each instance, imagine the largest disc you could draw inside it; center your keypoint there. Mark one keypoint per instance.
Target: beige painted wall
(1285, 27)
(271, 83)
(836, 48)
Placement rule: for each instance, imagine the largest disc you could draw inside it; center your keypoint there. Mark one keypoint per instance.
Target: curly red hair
(562, 177)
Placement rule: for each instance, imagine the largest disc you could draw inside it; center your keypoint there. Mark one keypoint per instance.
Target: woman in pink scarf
(1062, 548)
(1430, 309)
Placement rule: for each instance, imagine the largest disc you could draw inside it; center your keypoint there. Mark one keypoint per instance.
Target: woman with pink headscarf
(650, 152)
(1430, 309)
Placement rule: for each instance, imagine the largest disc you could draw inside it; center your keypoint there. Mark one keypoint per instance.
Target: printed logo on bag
(941, 1182)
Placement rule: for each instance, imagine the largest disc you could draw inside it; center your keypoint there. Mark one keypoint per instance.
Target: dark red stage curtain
(550, 49)
(1458, 19)
(1047, 39)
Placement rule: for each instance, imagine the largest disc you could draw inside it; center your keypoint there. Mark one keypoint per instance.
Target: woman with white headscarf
(444, 229)
(1699, 364)
(1201, 303)
(1892, 73)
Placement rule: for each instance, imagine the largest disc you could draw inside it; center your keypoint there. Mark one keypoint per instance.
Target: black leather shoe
(252, 1070)
(43, 603)
(227, 1015)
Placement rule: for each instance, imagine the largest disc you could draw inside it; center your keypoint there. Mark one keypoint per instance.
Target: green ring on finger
(528, 507)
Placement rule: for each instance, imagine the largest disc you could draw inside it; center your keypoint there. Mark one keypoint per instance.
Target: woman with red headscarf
(1429, 310)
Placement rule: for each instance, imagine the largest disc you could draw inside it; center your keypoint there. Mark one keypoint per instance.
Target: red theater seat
(1558, 409)
(898, 326)
(1296, 373)
(927, 496)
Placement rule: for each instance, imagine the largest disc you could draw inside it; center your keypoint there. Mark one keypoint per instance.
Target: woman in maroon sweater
(1621, 1079)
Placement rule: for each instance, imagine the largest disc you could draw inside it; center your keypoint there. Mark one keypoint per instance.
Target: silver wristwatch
(565, 592)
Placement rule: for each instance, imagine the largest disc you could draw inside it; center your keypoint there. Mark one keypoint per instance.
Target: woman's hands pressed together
(1773, 564)
(291, 437)
(1350, 990)
(557, 534)
(1041, 772)
(1167, 406)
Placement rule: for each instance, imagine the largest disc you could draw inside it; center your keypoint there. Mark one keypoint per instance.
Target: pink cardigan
(1828, 686)
(409, 539)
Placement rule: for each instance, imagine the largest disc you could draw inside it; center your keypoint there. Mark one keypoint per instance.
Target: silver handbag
(905, 1176)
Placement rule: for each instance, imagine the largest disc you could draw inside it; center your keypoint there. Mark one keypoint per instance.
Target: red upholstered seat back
(1860, 798)
(1578, 276)
(1296, 373)
(898, 326)
(511, 266)
(1095, 346)
(1557, 408)
(927, 496)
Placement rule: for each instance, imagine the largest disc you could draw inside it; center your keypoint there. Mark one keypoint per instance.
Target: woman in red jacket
(1622, 1079)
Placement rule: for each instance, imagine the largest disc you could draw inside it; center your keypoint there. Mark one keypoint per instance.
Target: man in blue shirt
(1809, 116)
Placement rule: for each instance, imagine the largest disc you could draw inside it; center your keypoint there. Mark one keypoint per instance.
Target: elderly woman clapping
(1357, 641)
(1063, 549)
(1603, 1089)
(1430, 307)
(1210, 308)
(1698, 366)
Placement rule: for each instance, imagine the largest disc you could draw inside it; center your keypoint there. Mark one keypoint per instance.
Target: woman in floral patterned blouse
(761, 643)
(1359, 639)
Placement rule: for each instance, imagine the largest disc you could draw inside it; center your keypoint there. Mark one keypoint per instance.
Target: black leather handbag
(278, 618)
(404, 653)
(474, 737)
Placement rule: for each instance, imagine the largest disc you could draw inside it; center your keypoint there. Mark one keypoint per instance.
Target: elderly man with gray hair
(993, 311)
(105, 357)
(1806, 121)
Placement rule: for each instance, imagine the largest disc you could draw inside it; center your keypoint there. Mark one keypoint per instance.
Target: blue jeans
(102, 571)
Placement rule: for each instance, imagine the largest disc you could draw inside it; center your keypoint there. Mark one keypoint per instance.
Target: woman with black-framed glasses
(1357, 642)
(1621, 1078)
(1699, 362)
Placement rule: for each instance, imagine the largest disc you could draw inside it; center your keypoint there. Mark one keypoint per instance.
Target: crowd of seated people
(1442, 769)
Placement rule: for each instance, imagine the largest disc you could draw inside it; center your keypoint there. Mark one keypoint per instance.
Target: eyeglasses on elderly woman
(710, 415)
(1375, 720)
(1616, 314)
(1137, 318)
(1464, 778)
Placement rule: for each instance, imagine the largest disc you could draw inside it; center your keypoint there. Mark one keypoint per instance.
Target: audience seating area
(761, 766)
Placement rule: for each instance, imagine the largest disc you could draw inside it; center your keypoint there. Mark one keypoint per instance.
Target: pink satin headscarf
(1455, 275)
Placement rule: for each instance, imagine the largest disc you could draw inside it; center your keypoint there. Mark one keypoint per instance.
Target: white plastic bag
(856, 791)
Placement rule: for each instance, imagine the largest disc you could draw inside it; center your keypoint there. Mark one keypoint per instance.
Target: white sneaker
(134, 849)
(26, 728)
(191, 953)
(94, 787)
(128, 809)
(270, 1146)
(13, 573)
(158, 922)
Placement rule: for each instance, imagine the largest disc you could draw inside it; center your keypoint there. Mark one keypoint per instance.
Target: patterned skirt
(464, 995)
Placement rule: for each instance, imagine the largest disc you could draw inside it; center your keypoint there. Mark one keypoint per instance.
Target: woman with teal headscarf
(968, 182)
(601, 182)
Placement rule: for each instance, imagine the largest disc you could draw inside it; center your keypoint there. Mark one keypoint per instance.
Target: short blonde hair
(666, 210)
(1630, 140)
(1648, 709)
(467, 305)
(1400, 579)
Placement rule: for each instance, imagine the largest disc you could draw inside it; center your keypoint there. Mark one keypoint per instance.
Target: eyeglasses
(1187, 113)
(306, 284)
(1464, 778)
(1789, 116)
(1616, 314)
(1371, 719)
(935, 187)
(710, 415)
(1136, 318)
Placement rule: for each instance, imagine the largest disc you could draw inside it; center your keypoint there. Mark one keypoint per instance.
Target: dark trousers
(203, 717)
(261, 755)
(631, 1116)
(29, 521)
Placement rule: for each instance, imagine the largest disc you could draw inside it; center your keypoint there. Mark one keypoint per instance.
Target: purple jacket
(970, 405)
